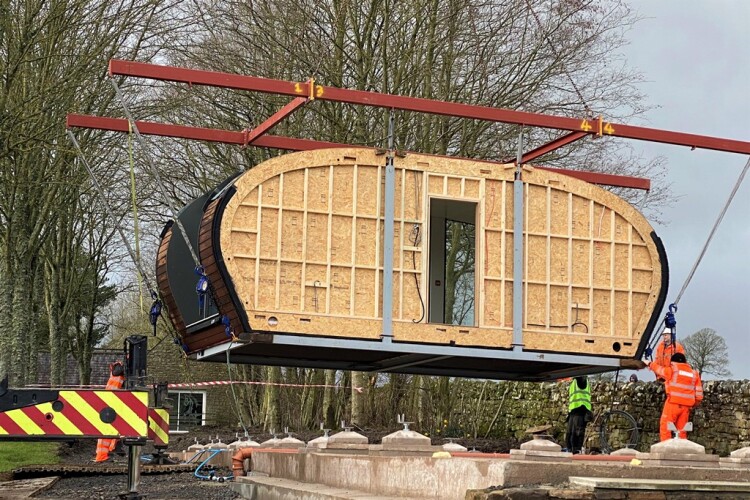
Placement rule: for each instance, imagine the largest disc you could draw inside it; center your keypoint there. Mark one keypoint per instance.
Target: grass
(14, 454)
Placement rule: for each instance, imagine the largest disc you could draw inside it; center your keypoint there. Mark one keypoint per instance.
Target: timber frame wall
(301, 240)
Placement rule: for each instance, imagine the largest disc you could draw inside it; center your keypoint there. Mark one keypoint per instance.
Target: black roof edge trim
(660, 301)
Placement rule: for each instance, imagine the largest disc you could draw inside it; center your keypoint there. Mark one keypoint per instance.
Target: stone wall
(507, 409)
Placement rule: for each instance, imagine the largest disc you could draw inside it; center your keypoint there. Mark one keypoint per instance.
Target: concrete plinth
(540, 444)
(678, 452)
(677, 446)
(346, 437)
(290, 443)
(270, 443)
(624, 452)
(405, 438)
(318, 442)
(737, 459)
(449, 447)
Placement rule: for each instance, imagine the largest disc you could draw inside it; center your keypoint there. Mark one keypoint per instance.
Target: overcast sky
(695, 56)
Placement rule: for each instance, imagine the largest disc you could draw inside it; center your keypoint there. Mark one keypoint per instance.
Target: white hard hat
(667, 331)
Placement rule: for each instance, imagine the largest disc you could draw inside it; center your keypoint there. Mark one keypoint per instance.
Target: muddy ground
(185, 485)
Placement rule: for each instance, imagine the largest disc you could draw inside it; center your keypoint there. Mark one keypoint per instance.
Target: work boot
(120, 449)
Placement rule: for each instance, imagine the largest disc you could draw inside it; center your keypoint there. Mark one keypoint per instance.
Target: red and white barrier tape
(251, 382)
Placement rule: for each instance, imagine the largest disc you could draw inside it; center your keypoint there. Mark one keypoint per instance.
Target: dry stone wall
(508, 409)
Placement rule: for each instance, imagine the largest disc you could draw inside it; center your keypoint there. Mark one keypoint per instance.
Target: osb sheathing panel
(302, 240)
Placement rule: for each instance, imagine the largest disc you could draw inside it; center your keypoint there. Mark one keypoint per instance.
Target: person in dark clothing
(579, 413)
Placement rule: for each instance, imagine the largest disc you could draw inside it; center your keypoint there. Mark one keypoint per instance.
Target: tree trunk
(271, 420)
(359, 413)
(330, 416)
(19, 326)
(56, 351)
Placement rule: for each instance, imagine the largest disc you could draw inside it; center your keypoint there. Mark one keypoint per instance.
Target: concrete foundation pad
(678, 460)
(271, 488)
(659, 484)
(451, 478)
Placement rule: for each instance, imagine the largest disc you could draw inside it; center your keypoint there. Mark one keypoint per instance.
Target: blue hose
(211, 476)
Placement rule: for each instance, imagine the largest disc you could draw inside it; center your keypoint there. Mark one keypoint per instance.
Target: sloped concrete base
(661, 484)
(451, 478)
(270, 488)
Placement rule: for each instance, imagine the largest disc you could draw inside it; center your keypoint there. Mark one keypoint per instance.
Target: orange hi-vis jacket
(104, 446)
(663, 354)
(682, 384)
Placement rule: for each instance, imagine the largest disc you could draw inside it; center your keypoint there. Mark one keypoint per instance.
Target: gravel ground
(185, 485)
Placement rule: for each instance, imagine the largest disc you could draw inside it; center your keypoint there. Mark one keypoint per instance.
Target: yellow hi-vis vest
(579, 397)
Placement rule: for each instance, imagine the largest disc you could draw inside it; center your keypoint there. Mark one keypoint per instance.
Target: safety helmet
(116, 369)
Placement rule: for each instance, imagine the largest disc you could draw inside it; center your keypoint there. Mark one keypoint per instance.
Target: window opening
(188, 410)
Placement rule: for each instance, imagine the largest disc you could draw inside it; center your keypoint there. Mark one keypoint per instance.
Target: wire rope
(702, 253)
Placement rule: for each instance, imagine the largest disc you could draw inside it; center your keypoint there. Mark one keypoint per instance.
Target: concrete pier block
(737, 459)
(405, 438)
(678, 452)
(346, 437)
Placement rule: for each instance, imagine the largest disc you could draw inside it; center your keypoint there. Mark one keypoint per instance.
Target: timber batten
(295, 248)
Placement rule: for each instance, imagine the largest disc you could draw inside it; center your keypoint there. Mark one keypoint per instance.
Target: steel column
(388, 215)
(518, 260)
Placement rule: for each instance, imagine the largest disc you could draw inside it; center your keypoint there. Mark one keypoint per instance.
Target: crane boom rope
(155, 172)
(702, 253)
(108, 208)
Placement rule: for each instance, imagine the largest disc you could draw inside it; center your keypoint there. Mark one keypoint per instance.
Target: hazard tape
(158, 426)
(250, 382)
(115, 414)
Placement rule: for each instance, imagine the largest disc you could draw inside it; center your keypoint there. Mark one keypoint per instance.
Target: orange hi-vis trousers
(673, 412)
(104, 446)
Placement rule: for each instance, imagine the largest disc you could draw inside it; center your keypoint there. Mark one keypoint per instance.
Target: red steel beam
(550, 146)
(293, 144)
(591, 127)
(278, 116)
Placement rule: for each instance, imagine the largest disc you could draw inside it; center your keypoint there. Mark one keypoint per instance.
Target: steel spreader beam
(294, 144)
(274, 119)
(595, 126)
(550, 146)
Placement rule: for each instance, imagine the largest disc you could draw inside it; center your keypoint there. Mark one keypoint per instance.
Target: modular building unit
(294, 247)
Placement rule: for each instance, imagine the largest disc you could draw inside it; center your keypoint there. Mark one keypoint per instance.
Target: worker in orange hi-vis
(116, 379)
(684, 391)
(666, 348)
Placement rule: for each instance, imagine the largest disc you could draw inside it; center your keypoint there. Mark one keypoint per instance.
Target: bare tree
(706, 352)
(53, 57)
